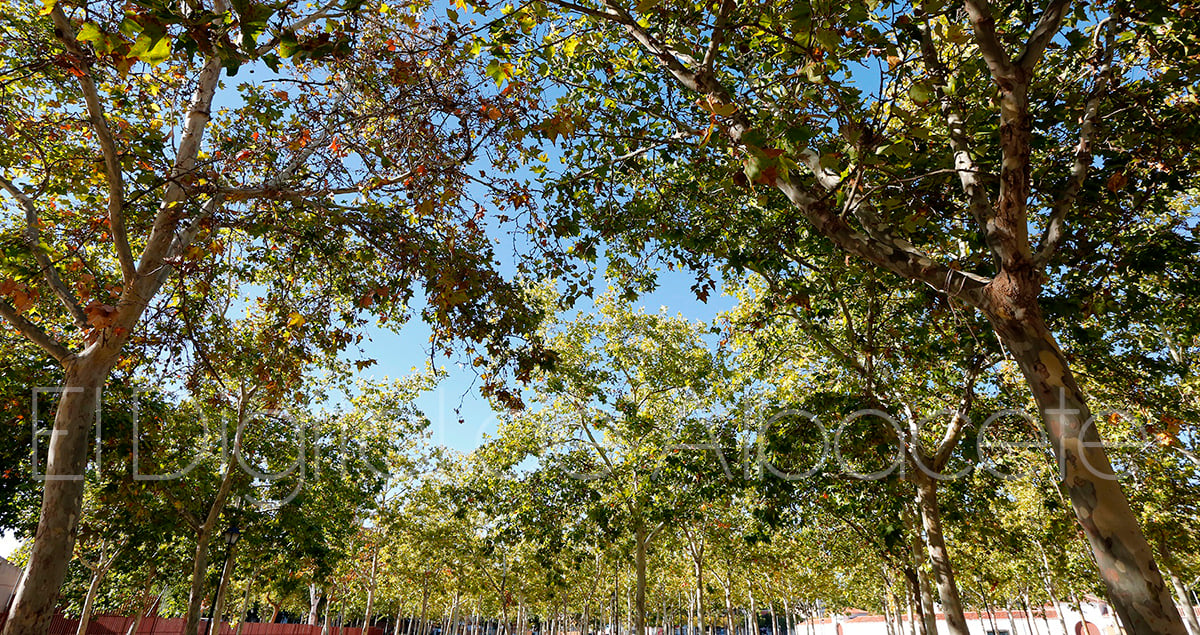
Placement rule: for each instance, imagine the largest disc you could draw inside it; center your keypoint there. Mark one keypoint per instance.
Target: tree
(624, 389)
(935, 173)
(185, 198)
(904, 353)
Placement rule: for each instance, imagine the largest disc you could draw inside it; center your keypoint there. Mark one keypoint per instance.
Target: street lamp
(231, 537)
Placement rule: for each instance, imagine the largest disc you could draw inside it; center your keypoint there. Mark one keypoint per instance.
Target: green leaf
(90, 33)
(158, 53)
(921, 92)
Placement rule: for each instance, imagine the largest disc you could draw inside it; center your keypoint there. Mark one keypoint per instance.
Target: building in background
(10, 574)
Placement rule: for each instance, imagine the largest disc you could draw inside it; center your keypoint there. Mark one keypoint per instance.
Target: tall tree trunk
(85, 616)
(630, 618)
(912, 623)
(1062, 617)
(37, 593)
(987, 605)
(205, 532)
(371, 587)
(149, 601)
(425, 606)
(1185, 601)
(691, 614)
(218, 611)
(453, 630)
(897, 607)
(752, 617)
(640, 565)
(314, 604)
(1029, 619)
(196, 593)
(1123, 556)
(918, 581)
(928, 610)
(887, 613)
(245, 603)
(1181, 591)
(939, 555)
(325, 622)
(1012, 622)
(1082, 618)
(916, 602)
(728, 582)
(616, 600)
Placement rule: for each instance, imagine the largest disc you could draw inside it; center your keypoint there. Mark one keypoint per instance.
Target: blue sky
(398, 352)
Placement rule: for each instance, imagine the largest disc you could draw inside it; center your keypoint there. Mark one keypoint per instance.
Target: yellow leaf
(295, 319)
(568, 47)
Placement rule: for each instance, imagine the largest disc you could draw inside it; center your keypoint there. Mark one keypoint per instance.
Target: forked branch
(1102, 66)
(108, 146)
(983, 24)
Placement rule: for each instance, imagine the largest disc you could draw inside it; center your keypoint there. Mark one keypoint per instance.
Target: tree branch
(984, 26)
(877, 246)
(829, 178)
(880, 248)
(137, 295)
(718, 35)
(49, 271)
(108, 147)
(941, 455)
(978, 201)
(34, 333)
(297, 25)
(701, 82)
(1056, 225)
(1042, 34)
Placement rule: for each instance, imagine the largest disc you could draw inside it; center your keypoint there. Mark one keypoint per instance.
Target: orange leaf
(1117, 181)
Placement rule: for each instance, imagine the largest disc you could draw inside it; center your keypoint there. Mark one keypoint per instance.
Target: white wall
(10, 574)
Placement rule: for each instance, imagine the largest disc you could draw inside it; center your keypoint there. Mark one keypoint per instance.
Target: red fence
(116, 625)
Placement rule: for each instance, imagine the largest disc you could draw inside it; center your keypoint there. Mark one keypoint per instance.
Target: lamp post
(231, 537)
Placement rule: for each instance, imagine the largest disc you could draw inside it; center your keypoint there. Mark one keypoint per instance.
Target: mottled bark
(37, 594)
(218, 611)
(1123, 556)
(149, 602)
(917, 604)
(939, 554)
